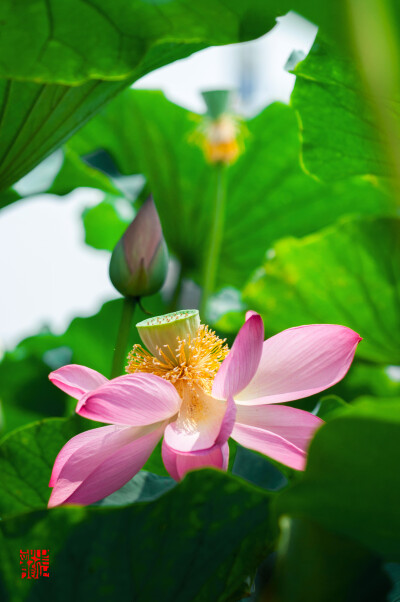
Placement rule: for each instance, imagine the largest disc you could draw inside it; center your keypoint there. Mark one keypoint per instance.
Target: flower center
(186, 360)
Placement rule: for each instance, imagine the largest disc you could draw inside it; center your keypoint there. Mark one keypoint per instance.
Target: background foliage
(311, 236)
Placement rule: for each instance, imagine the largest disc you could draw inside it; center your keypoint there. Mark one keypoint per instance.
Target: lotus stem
(121, 344)
(216, 237)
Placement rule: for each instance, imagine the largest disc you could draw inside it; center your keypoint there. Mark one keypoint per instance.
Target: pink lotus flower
(183, 392)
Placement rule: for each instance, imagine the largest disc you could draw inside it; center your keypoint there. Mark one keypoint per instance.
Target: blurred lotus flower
(139, 262)
(180, 389)
(221, 140)
(220, 132)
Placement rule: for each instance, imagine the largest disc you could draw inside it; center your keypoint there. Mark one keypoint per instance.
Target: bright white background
(48, 275)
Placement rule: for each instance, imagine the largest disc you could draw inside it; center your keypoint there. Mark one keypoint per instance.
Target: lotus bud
(139, 262)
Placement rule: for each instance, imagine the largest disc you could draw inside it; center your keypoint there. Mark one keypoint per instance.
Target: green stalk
(121, 343)
(216, 236)
(173, 305)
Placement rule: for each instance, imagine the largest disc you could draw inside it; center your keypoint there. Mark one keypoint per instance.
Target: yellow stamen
(225, 152)
(194, 362)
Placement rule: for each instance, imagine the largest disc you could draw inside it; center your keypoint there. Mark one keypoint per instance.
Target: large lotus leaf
(96, 553)
(351, 485)
(347, 274)
(26, 393)
(72, 42)
(327, 566)
(145, 133)
(37, 118)
(58, 47)
(26, 458)
(64, 60)
(340, 135)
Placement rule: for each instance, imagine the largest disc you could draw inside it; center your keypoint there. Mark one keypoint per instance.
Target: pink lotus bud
(139, 262)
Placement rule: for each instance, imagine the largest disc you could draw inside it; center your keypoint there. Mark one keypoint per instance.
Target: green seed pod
(164, 331)
(139, 262)
(217, 102)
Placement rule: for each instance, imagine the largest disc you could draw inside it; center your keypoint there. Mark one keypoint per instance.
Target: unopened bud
(139, 262)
